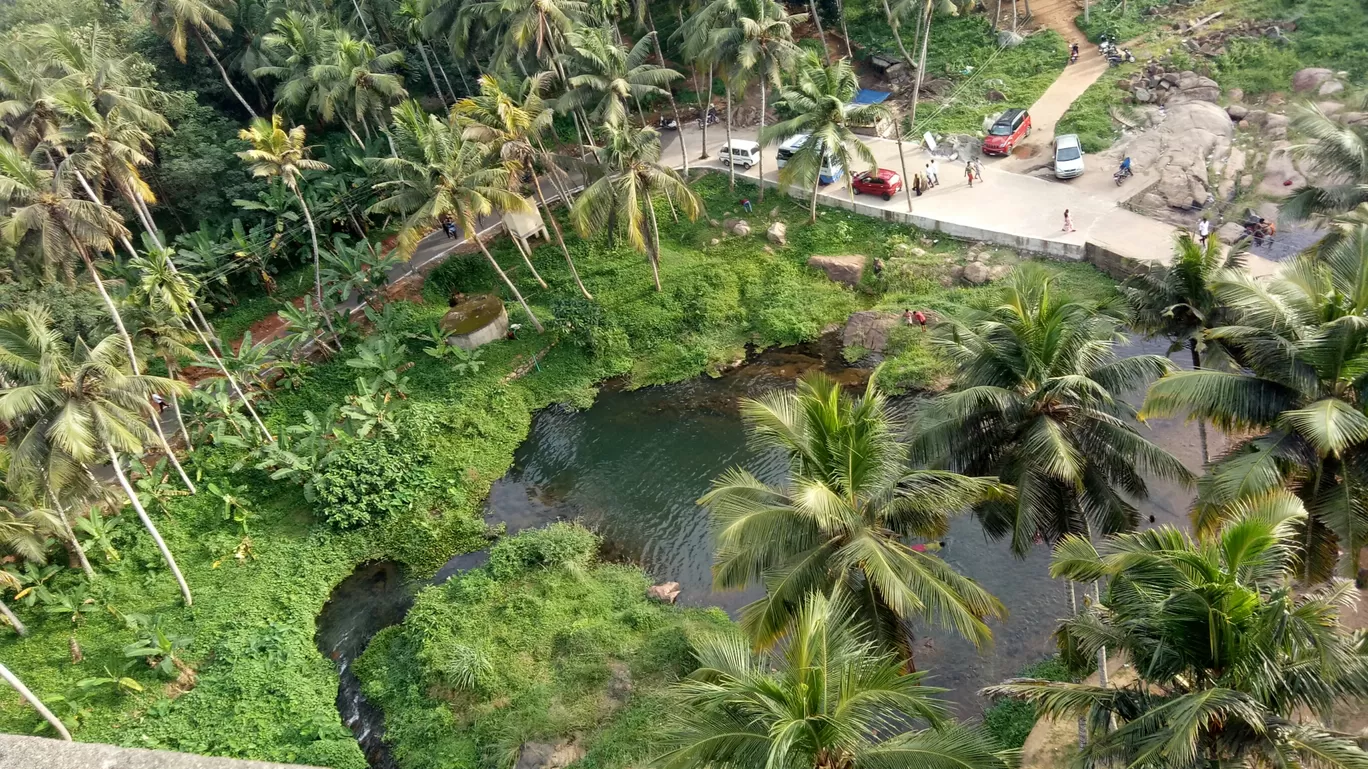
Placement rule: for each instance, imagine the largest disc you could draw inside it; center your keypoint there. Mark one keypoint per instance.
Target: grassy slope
(264, 691)
(501, 656)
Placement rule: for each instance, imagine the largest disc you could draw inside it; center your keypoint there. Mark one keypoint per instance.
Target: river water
(632, 466)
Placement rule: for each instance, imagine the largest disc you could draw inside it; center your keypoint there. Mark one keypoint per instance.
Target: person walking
(1204, 230)
(918, 183)
(978, 169)
(1068, 221)
(932, 173)
(969, 174)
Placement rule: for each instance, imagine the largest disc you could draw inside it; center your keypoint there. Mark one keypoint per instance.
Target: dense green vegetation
(542, 643)
(1010, 721)
(1090, 116)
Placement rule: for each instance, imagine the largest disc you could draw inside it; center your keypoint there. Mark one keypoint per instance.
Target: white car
(1068, 157)
(741, 152)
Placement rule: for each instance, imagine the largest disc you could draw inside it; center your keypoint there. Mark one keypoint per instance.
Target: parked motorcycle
(667, 124)
(711, 117)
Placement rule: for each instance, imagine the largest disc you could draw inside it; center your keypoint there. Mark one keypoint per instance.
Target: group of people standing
(923, 181)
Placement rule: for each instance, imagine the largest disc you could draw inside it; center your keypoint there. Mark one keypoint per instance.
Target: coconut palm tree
(277, 153)
(840, 522)
(292, 47)
(1335, 157)
(1036, 403)
(761, 45)
(511, 120)
(408, 18)
(830, 698)
(622, 198)
(78, 402)
(1230, 661)
(177, 19)
(355, 80)
(820, 102)
(606, 79)
(1301, 344)
(37, 704)
(1178, 300)
(440, 174)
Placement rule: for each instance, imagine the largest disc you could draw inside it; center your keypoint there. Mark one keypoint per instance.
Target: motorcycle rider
(1125, 167)
(1073, 53)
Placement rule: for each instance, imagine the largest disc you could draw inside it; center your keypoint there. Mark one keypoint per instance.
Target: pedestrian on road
(918, 183)
(978, 169)
(969, 174)
(1204, 230)
(161, 403)
(1068, 221)
(932, 173)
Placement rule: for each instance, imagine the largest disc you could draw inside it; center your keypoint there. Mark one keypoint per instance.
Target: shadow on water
(632, 466)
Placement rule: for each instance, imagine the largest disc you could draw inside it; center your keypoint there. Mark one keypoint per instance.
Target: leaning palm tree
(820, 102)
(511, 120)
(278, 153)
(623, 196)
(177, 19)
(1037, 404)
(840, 522)
(1300, 343)
(1231, 663)
(761, 44)
(356, 82)
(830, 699)
(77, 402)
(1178, 300)
(28, 696)
(607, 79)
(439, 174)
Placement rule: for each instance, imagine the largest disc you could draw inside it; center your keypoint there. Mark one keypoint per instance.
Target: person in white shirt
(1204, 229)
(933, 173)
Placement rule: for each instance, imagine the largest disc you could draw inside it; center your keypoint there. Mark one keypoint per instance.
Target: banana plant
(236, 507)
(160, 649)
(31, 578)
(369, 410)
(304, 324)
(153, 485)
(385, 358)
(99, 534)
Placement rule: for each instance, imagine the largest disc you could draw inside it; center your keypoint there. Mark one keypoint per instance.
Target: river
(632, 466)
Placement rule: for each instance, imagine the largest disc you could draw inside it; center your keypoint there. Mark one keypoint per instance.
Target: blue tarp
(866, 96)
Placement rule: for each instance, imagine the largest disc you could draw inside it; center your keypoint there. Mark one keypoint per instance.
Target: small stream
(632, 466)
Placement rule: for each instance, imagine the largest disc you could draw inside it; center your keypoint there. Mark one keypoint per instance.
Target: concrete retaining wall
(1113, 264)
(1055, 249)
(18, 752)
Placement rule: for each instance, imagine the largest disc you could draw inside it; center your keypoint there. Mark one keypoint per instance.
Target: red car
(880, 181)
(1007, 132)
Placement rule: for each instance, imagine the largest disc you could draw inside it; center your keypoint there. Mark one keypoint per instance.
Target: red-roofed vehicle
(1007, 132)
(880, 181)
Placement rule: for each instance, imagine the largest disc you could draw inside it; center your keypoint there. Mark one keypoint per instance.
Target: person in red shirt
(921, 319)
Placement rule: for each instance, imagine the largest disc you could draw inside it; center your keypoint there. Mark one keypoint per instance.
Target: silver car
(1068, 158)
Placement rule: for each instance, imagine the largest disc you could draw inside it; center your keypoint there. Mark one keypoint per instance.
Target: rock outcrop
(1310, 79)
(777, 234)
(665, 592)
(842, 269)
(869, 330)
(545, 755)
(1178, 149)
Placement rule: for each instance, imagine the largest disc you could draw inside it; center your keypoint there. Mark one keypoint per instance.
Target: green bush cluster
(1090, 116)
(1010, 721)
(542, 645)
(369, 480)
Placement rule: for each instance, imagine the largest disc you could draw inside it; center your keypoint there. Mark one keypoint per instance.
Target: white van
(741, 152)
(1068, 159)
(831, 168)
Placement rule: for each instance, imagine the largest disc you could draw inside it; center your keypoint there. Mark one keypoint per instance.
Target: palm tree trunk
(1029, 14)
(816, 184)
(431, 75)
(921, 66)
(731, 167)
(566, 196)
(669, 92)
(893, 25)
(70, 533)
(475, 236)
(446, 79)
(12, 619)
(147, 523)
(318, 265)
(840, 11)
(821, 36)
(704, 103)
(1201, 423)
(180, 422)
(347, 124)
(362, 18)
(33, 700)
(128, 343)
(902, 160)
(525, 249)
(997, 16)
(654, 242)
(760, 136)
(209, 51)
(560, 240)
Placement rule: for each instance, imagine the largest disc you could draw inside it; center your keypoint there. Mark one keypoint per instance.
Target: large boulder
(1230, 232)
(741, 228)
(869, 330)
(1197, 88)
(842, 269)
(777, 234)
(1330, 88)
(545, 755)
(1237, 111)
(1178, 149)
(1310, 78)
(665, 592)
(976, 273)
(1280, 169)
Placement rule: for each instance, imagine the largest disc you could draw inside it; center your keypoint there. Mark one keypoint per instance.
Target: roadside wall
(1113, 264)
(18, 752)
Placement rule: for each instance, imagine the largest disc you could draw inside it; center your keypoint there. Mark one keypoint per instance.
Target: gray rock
(544, 755)
(1310, 78)
(728, 224)
(777, 234)
(619, 682)
(1235, 94)
(956, 274)
(842, 269)
(976, 273)
(1353, 118)
(869, 329)
(1237, 111)
(1276, 126)
(1330, 88)
(741, 228)
(995, 96)
(1230, 232)
(1171, 78)
(1329, 107)
(1256, 117)
(1280, 169)
(998, 272)
(1142, 95)
(1009, 39)
(901, 250)
(714, 241)
(918, 251)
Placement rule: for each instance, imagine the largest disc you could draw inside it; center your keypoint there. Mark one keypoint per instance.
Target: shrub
(1010, 721)
(368, 480)
(1257, 66)
(560, 544)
